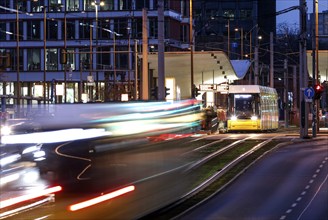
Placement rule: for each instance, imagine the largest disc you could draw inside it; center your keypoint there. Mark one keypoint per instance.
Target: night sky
(292, 17)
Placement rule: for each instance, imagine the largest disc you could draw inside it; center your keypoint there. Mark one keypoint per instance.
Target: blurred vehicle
(21, 186)
(63, 146)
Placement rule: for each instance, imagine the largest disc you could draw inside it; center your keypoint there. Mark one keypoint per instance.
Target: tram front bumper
(244, 125)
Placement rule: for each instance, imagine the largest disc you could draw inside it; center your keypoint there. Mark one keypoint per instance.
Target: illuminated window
(245, 14)
(33, 59)
(229, 14)
(85, 29)
(72, 5)
(52, 59)
(33, 30)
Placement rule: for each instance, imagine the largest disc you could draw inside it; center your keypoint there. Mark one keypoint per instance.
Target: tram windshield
(244, 106)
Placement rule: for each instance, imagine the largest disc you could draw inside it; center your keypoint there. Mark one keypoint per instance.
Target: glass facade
(33, 59)
(93, 51)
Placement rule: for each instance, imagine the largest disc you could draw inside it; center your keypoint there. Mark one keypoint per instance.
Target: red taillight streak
(43, 192)
(102, 198)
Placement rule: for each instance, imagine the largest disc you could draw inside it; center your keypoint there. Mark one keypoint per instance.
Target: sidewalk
(293, 128)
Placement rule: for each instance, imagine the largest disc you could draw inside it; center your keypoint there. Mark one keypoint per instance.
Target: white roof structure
(210, 67)
(251, 89)
(323, 64)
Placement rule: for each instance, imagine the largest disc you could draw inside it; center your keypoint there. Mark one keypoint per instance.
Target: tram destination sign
(207, 87)
(223, 88)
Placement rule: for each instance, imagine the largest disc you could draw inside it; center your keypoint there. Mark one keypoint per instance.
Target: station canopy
(210, 67)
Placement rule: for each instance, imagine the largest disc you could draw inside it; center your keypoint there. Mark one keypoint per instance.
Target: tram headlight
(233, 118)
(254, 118)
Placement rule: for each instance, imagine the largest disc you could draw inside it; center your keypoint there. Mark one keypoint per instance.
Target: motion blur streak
(10, 159)
(9, 178)
(22, 208)
(102, 198)
(78, 122)
(39, 193)
(54, 136)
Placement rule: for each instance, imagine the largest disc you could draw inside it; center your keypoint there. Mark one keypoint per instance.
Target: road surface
(290, 183)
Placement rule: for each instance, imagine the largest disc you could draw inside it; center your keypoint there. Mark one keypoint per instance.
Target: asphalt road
(289, 183)
(155, 170)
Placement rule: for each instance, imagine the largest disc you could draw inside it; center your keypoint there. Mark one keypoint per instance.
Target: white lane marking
(299, 199)
(67, 155)
(316, 193)
(79, 176)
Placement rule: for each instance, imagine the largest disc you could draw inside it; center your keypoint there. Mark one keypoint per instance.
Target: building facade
(322, 29)
(85, 50)
(233, 26)
(81, 50)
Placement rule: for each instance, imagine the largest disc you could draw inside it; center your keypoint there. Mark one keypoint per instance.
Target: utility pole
(65, 64)
(315, 65)
(295, 96)
(161, 60)
(256, 57)
(286, 101)
(242, 43)
(144, 78)
(304, 107)
(44, 54)
(191, 40)
(271, 61)
(18, 93)
(228, 26)
(136, 69)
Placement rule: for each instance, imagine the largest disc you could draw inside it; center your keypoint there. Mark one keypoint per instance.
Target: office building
(81, 50)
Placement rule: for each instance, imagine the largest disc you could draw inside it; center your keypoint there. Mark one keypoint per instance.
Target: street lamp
(241, 42)
(18, 60)
(18, 53)
(96, 4)
(191, 48)
(44, 52)
(228, 27)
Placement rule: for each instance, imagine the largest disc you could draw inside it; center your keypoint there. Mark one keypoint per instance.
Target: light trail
(100, 199)
(23, 198)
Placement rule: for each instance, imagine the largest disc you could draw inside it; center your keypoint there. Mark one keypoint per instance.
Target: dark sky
(292, 17)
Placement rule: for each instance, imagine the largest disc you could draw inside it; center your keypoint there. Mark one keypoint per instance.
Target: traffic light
(154, 93)
(318, 90)
(63, 56)
(167, 90)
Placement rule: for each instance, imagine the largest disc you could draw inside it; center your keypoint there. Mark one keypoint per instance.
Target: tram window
(243, 106)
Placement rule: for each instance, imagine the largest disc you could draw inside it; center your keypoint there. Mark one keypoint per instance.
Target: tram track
(221, 167)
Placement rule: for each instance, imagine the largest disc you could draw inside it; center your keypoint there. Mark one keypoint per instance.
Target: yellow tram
(252, 108)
